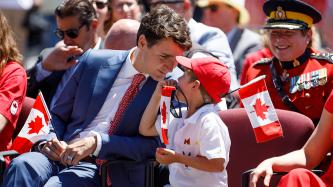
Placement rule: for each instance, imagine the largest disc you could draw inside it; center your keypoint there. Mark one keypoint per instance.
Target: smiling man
(298, 78)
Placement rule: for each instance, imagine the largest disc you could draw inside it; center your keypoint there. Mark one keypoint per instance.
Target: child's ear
(196, 84)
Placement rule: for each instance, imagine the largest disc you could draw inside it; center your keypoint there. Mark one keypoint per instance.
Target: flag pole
(45, 106)
(248, 83)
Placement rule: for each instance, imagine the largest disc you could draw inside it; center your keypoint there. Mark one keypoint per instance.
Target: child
(199, 143)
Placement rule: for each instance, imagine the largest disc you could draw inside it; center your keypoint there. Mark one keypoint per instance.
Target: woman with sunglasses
(199, 143)
(13, 84)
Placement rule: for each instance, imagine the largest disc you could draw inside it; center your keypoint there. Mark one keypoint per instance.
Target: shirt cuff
(41, 73)
(99, 142)
(40, 145)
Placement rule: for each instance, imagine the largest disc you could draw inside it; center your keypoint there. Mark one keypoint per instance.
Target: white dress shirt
(101, 123)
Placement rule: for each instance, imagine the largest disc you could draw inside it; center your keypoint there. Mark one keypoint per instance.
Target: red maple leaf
(35, 125)
(163, 111)
(260, 108)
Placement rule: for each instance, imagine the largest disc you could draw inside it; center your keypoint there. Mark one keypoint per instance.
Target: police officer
(297, 77)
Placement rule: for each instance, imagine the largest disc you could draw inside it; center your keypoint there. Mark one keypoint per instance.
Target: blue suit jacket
(82, 99)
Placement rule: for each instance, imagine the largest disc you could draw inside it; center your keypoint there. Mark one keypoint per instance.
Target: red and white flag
(260, 109)
(35, 127)
(165, 111)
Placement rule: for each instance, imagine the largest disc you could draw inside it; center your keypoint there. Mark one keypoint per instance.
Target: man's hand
(78, 150)
(53, 149)
(61, 58)
(165, 156)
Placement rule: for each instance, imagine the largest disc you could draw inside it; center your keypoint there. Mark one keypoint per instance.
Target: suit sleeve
(136, 148)
(47, 84)
(62, 109)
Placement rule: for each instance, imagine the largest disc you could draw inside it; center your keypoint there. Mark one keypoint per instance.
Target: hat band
(302, 24)
(294, 16)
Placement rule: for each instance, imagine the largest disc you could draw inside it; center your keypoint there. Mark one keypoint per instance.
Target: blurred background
(33, 23)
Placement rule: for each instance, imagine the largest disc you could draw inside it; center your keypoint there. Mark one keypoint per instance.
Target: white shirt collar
(99, 41)
(128, 70)
(195, 118)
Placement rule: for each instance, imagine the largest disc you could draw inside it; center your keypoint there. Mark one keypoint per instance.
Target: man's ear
(142, 42)
(94, 23)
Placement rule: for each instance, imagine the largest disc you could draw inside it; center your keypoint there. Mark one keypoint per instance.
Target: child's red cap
(213, 75)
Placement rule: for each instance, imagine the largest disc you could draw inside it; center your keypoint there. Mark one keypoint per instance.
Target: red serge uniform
(303, 177)
(251, 59)
(13, 85)
(307, 83)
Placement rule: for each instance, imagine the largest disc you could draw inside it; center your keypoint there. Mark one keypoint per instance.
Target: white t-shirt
(204, 134)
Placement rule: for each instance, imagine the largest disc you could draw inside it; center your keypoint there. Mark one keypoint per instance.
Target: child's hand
(165, 156)
(169, 82)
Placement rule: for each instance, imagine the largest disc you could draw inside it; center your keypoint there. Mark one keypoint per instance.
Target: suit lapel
(106, 76)
(132, 116)
(235, 39)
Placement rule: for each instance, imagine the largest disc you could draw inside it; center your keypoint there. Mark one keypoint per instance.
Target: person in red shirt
(251, 59)
(13, 84)
(308, 157)
(298, 78)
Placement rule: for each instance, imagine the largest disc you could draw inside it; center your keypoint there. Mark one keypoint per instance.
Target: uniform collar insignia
(297, 62)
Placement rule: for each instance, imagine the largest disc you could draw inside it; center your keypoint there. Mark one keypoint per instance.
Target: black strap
(197, 48)
(277, 82)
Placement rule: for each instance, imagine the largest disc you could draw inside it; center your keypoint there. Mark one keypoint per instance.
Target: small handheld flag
(35, 127)
(165, 111)
(260, 109)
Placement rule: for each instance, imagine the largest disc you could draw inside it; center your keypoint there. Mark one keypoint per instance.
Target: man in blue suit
(89, 102)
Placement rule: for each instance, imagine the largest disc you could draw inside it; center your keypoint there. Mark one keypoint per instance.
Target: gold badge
(296, 63)
(280, 13)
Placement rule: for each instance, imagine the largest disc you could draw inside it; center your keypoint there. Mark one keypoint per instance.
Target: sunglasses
(213, 8)
(100, 5)
(176, 105)
(71, 33)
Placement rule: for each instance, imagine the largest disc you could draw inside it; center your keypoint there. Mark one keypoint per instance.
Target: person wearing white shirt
(199, 142)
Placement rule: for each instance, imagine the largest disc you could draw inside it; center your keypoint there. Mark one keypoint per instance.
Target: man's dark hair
(81, 8)
(161, 23)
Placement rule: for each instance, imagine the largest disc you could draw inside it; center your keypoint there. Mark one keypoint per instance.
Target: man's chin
(158, 78)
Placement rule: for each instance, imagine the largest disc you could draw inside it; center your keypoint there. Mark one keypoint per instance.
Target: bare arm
(308, 157)
(167, 156)
(147, 123)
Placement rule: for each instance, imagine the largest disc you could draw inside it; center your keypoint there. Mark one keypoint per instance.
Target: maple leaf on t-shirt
(35, 125)
(163, 111)
(260, 108)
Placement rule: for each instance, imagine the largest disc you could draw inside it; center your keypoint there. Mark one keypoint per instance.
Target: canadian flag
(164, 109)
(260, 109)
(35, 127)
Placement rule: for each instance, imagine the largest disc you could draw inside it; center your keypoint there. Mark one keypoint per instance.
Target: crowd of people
(102, 82)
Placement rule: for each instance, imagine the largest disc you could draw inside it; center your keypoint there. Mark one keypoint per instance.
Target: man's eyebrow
(165, 55)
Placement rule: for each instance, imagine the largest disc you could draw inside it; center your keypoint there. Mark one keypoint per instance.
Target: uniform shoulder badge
(323, 56)
(263, 61)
